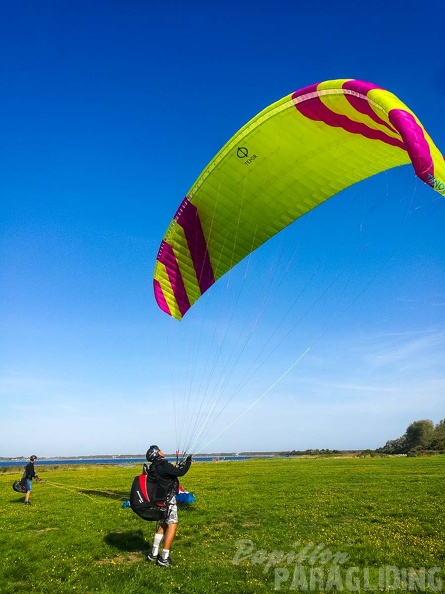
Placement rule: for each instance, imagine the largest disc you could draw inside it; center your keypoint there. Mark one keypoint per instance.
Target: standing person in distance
(29, 474)
(166, 476)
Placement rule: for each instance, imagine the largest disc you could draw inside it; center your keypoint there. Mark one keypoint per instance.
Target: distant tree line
(310, 452)
(420, 436)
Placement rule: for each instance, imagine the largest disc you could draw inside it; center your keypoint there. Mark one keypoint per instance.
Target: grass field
(289, 525)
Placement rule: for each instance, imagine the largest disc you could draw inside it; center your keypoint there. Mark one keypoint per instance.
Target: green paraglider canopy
(287, 160)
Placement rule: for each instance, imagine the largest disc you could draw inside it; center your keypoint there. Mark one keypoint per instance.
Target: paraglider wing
(291, 157)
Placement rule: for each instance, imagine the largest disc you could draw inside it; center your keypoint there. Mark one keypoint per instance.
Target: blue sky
(110, 111)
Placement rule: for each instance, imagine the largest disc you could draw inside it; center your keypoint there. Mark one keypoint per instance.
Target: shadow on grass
(130, 541)
(122, 495)
(186, 508)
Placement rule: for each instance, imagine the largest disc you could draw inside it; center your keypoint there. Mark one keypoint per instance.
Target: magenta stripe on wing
(360, 104)
(415, 142)
(187, 216)
(314, 109)
(160, 299)
(167, 257)
(306, 91)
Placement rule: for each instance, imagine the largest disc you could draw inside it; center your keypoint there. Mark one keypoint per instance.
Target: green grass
(366, 513)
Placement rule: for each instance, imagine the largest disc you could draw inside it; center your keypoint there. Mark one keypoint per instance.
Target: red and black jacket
(166, 475)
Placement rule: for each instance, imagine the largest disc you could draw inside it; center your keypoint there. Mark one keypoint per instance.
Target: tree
(395, 446)
(420, 435)
(439, 436)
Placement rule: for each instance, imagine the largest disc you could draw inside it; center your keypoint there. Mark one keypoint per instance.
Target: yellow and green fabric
(295, 154)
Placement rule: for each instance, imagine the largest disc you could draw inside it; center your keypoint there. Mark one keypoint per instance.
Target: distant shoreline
(121, 460)
(173, 455)
(138, 456)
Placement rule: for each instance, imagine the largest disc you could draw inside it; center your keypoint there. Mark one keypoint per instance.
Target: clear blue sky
(110, 111)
